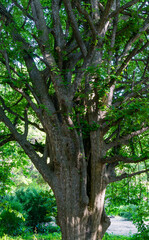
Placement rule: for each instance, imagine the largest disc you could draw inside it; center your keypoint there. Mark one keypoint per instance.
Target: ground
(120, 226)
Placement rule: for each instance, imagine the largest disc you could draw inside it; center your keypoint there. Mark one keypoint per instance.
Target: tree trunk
(80, 216)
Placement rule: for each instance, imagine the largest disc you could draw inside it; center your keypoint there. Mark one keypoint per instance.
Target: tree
(77, 72)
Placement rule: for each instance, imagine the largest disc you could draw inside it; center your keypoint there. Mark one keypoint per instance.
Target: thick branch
(58, 32)
(6, 139)
(127, 96)
(118, 158)
(95, 9)
(125, 175)
(4, 52)
(18, 116)
(134, 38)
(124, 140)
(75, 28)
(27, 147)
(89, 19)
(122, 8)
(105, 14)
(43, 40)
(26, 123)
(40, 21)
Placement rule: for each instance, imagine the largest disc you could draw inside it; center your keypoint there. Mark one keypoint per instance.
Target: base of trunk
(85, 227)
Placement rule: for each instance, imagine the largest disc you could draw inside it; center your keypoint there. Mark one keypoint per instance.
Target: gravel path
(120, 226)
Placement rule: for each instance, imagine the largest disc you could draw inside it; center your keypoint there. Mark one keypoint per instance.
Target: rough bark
(80, 218)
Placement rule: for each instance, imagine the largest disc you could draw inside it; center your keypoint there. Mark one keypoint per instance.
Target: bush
(12, 216)
(127, 211)
(141, 236)
(26, 209)
(38, 205)
(11, 221)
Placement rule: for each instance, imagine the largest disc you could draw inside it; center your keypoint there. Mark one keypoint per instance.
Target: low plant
(127, 211)
(49, 227)
(38, 205)
(51, 236)
(114, 237)
(12, 217)
(26, 209)
(11, 221)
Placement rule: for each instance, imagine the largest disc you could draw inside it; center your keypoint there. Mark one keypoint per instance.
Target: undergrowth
(51, 236)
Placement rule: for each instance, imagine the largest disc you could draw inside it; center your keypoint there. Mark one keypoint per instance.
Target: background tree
(77, 72)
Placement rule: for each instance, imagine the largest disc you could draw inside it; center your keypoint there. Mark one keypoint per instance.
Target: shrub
(12, 216)
(11, 221)
(26, 209)
(37, 204)
(127, 211)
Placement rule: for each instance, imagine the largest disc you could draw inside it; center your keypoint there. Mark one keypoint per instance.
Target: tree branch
(35, 75)
(59, 36)
(4, 52)
(26, 123)
(125, 175)
(43, 32)
(118, 158)
(124, 140)
(104, 17)
(127, 96)
(95, 9)
(29, 150)
(125, 63)
(6, 140)
(18, 116)
(75, 28)
(89, 19)
(23, 10)
(122, 8)
(127, 60)
(13, 30)
(134, 38)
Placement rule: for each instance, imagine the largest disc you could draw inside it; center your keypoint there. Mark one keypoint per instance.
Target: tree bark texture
(79, 186)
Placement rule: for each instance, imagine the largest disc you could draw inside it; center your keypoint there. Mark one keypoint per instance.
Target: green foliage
(29, 236)
(27, 209)
(39, 205)
(114, 237)
(139, 217)
(49, 227)
(128, 199)
(120, 237)
(11, 220)
(140, 236)
(127, 211)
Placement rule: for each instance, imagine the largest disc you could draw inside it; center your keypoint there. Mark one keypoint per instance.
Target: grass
(51, 236)
(56, 236)
(115, 237)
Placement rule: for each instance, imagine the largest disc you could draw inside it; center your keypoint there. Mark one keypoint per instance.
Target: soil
(120, 226)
